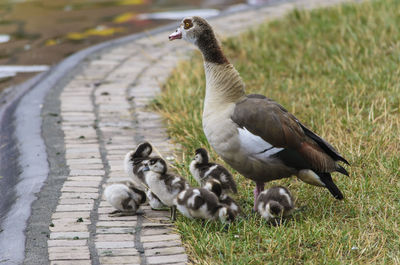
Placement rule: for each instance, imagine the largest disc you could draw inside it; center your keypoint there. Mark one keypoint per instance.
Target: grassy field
(338, 71)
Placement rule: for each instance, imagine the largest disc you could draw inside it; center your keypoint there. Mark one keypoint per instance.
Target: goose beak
(146, 168)
(177, 34)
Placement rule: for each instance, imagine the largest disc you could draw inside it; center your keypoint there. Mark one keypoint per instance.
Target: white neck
(223, 85)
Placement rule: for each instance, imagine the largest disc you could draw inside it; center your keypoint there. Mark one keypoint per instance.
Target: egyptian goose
(202, 170)
(125, 197)
(134, 162)
(215, 187)
(252, 133)
(164, 185)
(202, 203)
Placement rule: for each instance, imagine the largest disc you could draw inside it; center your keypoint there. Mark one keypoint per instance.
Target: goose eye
(187, 24)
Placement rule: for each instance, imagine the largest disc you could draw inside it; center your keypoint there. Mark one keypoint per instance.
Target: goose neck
(223, 84)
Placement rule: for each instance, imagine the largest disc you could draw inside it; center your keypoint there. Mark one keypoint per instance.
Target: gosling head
(226, 215)
(201, 156)
(157, 165)
(143, 150)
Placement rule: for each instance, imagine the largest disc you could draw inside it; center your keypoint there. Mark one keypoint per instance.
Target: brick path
(103, 111)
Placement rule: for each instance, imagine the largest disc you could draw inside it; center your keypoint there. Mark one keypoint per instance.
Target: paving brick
(114, 237)
(167, 259)
(76, 201)
(74, 262)
(115, 244)
(159, 238)
(116, 223)
(80, 248)
(68, 227)
(69, 235)
(115, 230)
(156, 231)
(85, 178)
(73, 255)
(117, 252)
(66, 243)
(87, 172)
(120, 260)
(164, 251)
(79, 189)
(83, 183)
(77, 195)
(84, 161)
(161, 244)
(74, 207)
(105, 217)
(71, 215)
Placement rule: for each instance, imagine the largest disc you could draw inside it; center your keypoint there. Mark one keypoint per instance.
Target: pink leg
(259, 188)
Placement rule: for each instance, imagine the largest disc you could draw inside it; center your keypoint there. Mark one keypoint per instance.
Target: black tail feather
(327, 147)
(342, 170)
(331, 186)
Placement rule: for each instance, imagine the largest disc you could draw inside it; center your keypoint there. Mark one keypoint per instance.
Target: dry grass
(338, 71)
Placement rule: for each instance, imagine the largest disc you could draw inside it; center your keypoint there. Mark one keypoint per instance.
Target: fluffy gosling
(125, 197)
(202, 170)
(274, 203)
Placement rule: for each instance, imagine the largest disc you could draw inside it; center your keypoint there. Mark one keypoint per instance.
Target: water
(43, 32)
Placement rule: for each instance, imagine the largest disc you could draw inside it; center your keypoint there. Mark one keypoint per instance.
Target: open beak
(177, 34)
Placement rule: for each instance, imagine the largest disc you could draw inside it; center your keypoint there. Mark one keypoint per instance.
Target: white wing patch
(256, 146)
(284, 194)
(209, 171)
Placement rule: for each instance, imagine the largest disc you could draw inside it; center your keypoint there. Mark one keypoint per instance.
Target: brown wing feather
(274, 124)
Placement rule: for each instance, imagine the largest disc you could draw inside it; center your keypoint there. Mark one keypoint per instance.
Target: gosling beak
(146, 168)
(177, 34)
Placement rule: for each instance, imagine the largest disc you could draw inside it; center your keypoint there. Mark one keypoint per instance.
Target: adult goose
(252, 133)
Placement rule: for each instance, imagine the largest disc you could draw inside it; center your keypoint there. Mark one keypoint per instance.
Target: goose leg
(259, 188)
(173, 213)
(113, 213)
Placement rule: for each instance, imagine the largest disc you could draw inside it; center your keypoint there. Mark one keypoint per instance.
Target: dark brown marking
(208, 44)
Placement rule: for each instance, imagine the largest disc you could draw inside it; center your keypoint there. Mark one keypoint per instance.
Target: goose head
(197, 31)
(201, 156)
(157, 165)
(192, 29)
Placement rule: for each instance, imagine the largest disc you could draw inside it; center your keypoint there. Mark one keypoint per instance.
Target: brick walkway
(103, 111)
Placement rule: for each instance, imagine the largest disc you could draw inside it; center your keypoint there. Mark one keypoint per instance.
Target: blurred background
(34, 34)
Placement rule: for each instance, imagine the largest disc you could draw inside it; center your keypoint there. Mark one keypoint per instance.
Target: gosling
(202, 203)
(215, 187)
(125, 197)
(275, 203)
(134, 162)
(164, 185)
(202, 170)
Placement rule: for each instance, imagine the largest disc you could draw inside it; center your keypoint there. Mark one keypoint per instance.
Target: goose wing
(267, 129)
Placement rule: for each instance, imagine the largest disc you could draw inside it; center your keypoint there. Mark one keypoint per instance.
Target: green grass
(338, 71)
